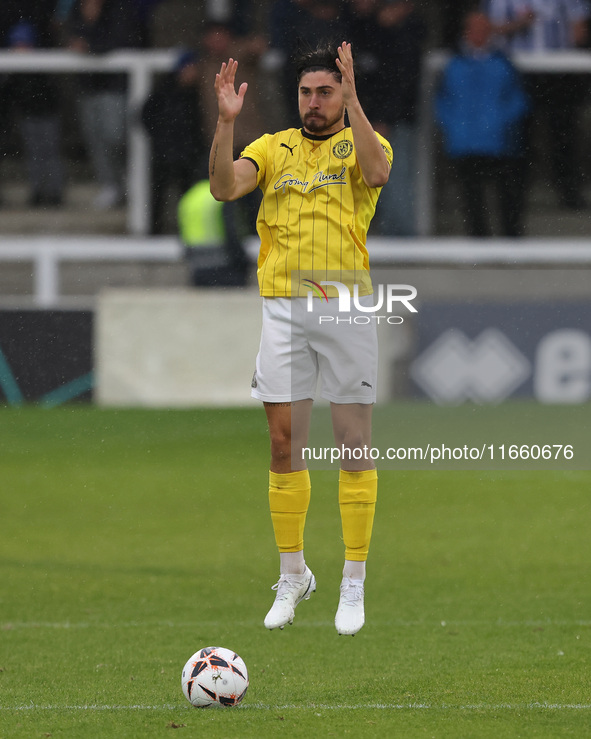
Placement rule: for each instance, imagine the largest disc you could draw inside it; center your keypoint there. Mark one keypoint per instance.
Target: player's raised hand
(229, 101)
(345, 65)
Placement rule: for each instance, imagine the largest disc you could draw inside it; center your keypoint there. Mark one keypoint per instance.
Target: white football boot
(291, 589)
(350, 613)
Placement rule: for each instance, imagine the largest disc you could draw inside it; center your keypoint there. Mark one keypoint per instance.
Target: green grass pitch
(129, 539)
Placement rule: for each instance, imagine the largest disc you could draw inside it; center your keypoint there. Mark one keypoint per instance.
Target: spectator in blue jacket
(481, 106)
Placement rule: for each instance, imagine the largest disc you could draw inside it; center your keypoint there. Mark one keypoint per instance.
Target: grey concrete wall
(164, 348)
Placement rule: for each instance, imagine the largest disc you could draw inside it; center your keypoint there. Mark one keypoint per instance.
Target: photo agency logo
(382, 307)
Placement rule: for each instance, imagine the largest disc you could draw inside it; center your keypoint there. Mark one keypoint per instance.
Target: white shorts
(298, 346)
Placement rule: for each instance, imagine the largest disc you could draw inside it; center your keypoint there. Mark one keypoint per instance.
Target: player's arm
(370, 154)
(229, 179)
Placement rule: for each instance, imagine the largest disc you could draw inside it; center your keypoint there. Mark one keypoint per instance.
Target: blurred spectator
(546, 26)
(219, 43)
(172, 117)
(62, 10)
(145, 12)
(210, 231)
(387, 40)
(294, 24)
(35, 101)
(452, 21)
(369, 53)
(480, 105)
(238, 14)
(97, 27)
(39, 13)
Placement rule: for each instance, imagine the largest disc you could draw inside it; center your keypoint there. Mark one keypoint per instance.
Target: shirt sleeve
(386, 147)
(257, 153)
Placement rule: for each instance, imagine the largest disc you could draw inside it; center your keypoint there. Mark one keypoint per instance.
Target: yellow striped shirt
(315, 212)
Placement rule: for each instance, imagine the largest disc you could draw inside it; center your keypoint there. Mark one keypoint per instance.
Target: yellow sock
(358, 493)
(289, 497)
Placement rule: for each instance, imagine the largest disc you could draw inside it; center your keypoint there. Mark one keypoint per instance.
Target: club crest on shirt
(343, 149)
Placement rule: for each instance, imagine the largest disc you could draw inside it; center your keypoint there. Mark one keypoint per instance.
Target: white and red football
(214, 676)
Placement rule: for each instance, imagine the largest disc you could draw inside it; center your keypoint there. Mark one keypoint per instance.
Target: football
(214, 676)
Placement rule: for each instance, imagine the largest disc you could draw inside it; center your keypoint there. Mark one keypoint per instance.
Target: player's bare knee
(280, 446)
(353, 440)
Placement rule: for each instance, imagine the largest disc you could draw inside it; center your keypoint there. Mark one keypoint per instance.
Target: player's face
(321, 104)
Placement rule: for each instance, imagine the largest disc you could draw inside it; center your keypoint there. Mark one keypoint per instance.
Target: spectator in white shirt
(543, 26)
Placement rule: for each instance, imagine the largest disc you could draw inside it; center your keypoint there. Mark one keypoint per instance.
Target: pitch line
(321, 707)
(400, 623)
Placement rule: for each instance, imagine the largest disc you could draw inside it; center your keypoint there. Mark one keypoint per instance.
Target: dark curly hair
(320, 59)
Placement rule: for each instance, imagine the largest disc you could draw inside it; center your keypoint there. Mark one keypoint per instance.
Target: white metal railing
(48, 253)
(575, 62)
(140, 67)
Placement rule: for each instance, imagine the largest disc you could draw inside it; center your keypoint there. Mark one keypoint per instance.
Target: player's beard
(319, 124)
